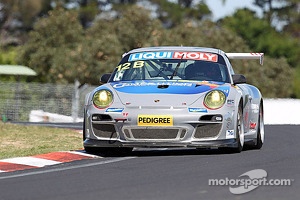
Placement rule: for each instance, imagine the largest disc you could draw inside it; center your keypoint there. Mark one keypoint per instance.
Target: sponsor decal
(125, 66)
(257, 54)
(252, 125)
(229, 134)
(114, 109)
(137, 84)
(211, 85)
(246, 119)
(150, 55)
(155, 120)
(196, 56)
(230, 102)
(175, 87)
(255, 108)
(228, 118)
(174, 55)
(204, 110)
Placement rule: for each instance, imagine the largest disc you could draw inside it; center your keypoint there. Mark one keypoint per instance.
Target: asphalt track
(164, 174)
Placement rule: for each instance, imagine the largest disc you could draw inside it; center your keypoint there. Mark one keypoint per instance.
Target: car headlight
(214, 99)
(102, 98)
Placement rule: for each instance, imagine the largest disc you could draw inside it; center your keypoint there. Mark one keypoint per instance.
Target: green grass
(20, 140)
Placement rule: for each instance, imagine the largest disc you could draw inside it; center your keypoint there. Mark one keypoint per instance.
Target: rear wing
(258, 56)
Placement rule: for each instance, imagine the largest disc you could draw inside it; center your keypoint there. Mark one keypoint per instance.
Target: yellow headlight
(102, 98)
(214, 99)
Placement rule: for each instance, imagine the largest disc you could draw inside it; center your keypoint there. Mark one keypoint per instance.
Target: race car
(174, 96)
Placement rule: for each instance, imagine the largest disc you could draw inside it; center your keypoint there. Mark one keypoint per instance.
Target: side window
(224, 73)
(230, 69)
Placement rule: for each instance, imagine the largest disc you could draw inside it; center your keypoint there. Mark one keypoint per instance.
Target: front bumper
(231, 143)
(193, 130)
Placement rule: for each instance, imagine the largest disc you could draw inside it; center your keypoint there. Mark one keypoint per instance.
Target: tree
(287, 13)
(100, 51)
(135, 28)
(261, 36)
(18, 17)
(60, 50)
(172, 14)
(88, 9)
(51, 45)
(290, 14)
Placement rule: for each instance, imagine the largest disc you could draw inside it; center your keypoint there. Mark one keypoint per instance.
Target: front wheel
(83, 126)
(260, 130)
(239, 130)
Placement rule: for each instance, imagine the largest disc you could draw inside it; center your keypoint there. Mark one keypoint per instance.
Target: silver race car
(174, 97)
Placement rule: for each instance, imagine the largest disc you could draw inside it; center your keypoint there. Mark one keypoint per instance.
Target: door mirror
(104, 78)
(238, 79)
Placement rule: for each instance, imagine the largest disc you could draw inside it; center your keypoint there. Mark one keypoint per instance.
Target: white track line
(67, 168)
(83, 154)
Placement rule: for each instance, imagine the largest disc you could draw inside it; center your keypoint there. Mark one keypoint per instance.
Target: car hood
(164, 93)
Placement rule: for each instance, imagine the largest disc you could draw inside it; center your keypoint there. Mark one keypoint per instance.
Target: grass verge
(21, 140)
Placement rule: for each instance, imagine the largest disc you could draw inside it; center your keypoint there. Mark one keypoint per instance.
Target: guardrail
(276, 111)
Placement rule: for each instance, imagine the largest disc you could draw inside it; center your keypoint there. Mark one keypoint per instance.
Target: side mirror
(104, 78)
(238, 79)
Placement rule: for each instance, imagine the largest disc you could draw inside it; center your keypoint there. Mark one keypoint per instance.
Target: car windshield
(155, 66)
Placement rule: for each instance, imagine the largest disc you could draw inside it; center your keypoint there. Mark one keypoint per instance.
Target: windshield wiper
(176, 68)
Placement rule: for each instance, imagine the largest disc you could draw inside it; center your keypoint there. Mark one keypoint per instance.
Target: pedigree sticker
(155, 120)
(174, 55)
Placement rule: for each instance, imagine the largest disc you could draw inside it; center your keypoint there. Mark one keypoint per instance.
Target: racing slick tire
(239, 130)
(83, 129)
(260, 129)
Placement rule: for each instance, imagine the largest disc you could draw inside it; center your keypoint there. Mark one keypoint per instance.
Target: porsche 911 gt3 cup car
(174, 97)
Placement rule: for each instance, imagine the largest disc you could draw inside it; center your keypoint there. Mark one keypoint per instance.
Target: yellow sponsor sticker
(155, 120)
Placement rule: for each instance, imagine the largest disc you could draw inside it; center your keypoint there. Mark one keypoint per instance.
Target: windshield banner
(174, 55)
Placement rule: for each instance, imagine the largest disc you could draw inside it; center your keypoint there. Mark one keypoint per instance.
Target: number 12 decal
(125, 66)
